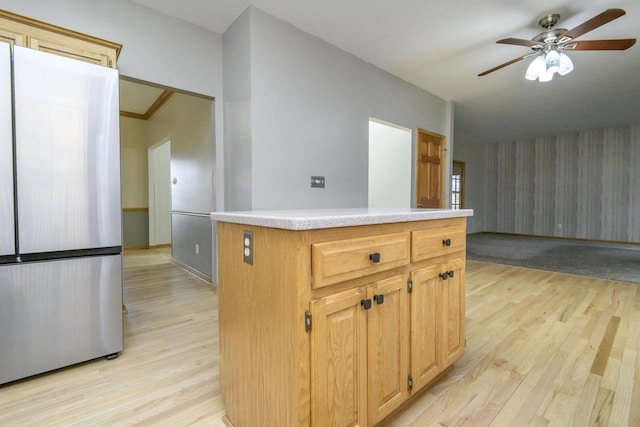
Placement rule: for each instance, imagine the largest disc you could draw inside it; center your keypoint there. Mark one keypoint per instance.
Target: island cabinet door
(426, 326)
(388, 346)
(339, 360)
(454, 311)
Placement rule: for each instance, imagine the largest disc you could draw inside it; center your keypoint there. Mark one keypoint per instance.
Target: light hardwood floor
(543, 349)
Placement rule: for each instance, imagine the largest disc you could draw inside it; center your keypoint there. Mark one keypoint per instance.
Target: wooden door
(339, 360)
(454, 311)
(426, 325)
(388, 346)
(430, 170)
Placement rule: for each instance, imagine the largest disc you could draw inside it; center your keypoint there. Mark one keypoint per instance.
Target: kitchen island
(336, 317)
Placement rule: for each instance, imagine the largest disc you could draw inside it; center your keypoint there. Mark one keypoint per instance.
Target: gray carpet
(612, 261)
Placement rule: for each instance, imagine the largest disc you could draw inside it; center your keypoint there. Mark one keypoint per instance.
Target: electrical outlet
(197, 249)
(247, 243)
(317, 182)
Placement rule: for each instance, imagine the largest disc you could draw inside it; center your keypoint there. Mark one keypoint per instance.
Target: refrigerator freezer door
(68, 153)
(7, 231)
(58, 313)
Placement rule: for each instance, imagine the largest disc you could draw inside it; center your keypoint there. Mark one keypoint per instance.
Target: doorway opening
(160, 194)
(389, 165)
(457, 185)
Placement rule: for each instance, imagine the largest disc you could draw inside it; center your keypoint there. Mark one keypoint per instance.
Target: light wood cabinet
(359, 347)
(339, 326)
(387, 346)
(339, 360)
(27, 32)
(437, 319)
(337, 261)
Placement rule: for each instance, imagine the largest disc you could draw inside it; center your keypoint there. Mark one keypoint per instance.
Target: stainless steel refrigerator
(60, 213)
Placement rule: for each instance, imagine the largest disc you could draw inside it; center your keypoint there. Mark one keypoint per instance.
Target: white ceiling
(441, 46)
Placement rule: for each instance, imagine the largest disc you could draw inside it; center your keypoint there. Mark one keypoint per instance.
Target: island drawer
(340, 260)
(436, 242)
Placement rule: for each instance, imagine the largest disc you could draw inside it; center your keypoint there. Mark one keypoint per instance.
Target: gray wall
(310, 104)
(186, 232)
(135, 229)
(236, 48)
(583, 185)
(474, 156)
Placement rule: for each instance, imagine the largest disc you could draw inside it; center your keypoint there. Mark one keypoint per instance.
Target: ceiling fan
(549, 46)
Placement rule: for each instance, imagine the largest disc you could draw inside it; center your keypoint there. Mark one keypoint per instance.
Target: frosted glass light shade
(546, 76)
(566, 66)
(552, 60)
(536, 68)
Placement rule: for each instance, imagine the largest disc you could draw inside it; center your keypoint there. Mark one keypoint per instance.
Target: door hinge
(307, 321)
(409, 286)
(410, 383)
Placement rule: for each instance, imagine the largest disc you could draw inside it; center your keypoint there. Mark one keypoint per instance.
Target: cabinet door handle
(450, 273)
(446, 242)
(375, 257)
(379, 298)
(444, 276)
(366, 303)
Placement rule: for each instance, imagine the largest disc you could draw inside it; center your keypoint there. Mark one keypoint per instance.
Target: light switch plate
(317, 182)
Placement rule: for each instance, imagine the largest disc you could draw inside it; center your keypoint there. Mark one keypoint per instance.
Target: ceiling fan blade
(593, 23)
(620, 44)
(513, 61)
(520, 42)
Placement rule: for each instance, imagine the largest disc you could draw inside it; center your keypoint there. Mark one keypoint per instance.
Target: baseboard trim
(195, 273)
(135, 248)
(582, 239)
(138, 247)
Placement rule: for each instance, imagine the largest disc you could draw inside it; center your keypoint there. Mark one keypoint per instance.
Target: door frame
(462, 166)
(152, 178)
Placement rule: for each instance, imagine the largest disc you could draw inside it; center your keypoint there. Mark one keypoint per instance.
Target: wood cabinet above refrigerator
(34, 34)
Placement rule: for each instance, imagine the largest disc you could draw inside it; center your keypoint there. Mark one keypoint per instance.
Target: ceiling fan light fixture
(548, 47)
(566, 66)
(545, 65)
(536, 68)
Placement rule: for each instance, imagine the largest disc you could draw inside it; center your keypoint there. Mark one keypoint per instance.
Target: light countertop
(311, 219)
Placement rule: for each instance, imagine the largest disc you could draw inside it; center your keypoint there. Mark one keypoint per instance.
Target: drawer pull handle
(446, 275)
(379, 298)
(366, 303)
(375, 257)
(446, 242)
